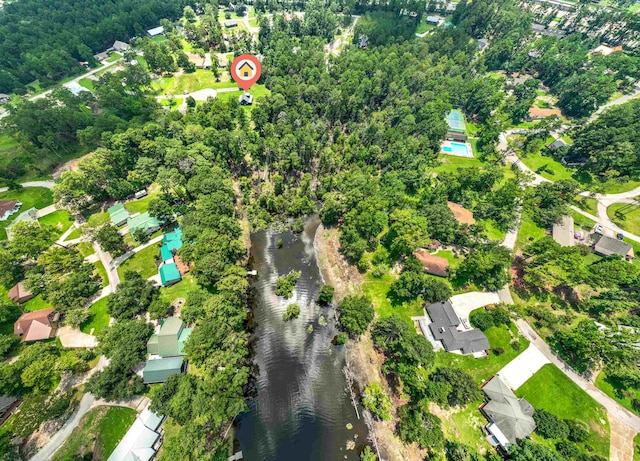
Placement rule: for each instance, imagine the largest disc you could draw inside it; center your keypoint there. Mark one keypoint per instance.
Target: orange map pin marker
(246, 70)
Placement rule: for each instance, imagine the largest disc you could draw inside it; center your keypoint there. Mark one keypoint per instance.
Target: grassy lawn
(87, 83)
(588, 204)
(114, 57)
(582, 221)
(35, 304)
(612, 387)
(484, 368)
(142, 205)
(60, 219)
(98, 317)
(423, 26)
(191, 82)
(464, 425)
(492, 231)
(99, 432)
(76, 233)
(377, 290)
(616, 186)
(529, 232)
(547, 167)
(98, 219)
(254, 23)
(85, 249)
(179, 290)
(102, 272)
(628, 218)
(636, 440)
(142, 262)
(551, 390)
(38, 197)
(450, 163)
(258, 92)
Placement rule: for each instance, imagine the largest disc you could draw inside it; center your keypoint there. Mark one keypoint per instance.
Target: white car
(599, 229)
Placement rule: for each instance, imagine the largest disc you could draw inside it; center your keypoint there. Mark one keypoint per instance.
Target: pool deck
(450, 144)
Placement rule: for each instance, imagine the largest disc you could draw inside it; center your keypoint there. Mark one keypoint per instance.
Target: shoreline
(361, 357)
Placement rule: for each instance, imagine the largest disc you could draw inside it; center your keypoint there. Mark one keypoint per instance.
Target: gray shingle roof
(513, 416)
(609, 246)
(444, 327)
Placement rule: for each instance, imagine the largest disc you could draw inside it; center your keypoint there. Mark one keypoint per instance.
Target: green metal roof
(152, 345)
(170, 326)
(182, 339)
(169, 273)
(118, 214)
(157, 371)
(143, 221)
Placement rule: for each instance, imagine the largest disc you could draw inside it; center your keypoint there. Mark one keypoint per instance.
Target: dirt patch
(364, 362)
(621, 448)
(71, 165)
(335, 270)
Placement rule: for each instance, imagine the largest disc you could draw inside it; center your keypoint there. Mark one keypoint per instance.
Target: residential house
(101, 56)
(8, 404)
(510, 418)
(36, 325)
(462, 215)
(538, 113)
(4, 98)
(144, 222)
(447, 328)
(606, 50)
(29, 216)
(156, 31)
(435, 265)
(557, 144)
(120, 46)
(170, 339)
(118, 214)
(230, 23)
(433, 20)
(159, 370)
(607, 246)
(563, 232)
(19, 294)
(169, 274)
(8, 207)
(171, 243)
(246, 99)
(142, 440)
(457, 127)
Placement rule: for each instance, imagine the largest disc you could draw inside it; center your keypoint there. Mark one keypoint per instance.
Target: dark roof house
(8, 207)
(557, 144)
(606, 246)
(510, 418)
(445, 327)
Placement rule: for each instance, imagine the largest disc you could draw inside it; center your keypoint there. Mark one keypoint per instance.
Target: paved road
(621, 100)
(59, 437)
(46, 184)
(107, 262)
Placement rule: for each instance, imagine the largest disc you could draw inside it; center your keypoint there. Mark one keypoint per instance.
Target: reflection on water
(303, 407)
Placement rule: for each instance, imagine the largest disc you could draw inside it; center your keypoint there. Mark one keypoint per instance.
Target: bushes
(292, 312)
(356, 313)
(550, 426)
(418, 425)
(325, 295)
(463, 389)
(487, 318)
(375, 399)
(286, 283)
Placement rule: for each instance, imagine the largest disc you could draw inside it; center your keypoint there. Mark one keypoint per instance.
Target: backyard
(377, 290)
(143, 262)
(98, 433)
(61, 220)
(529, 232)
(38, 197)
(98, 318)
(551, 390)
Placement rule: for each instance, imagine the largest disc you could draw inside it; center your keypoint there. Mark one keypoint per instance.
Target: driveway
(72, 338)
(465, 303)
(523, 367)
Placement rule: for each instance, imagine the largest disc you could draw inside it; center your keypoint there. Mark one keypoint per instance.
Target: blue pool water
(457, 148)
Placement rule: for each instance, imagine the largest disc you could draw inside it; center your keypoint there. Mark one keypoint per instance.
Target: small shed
(482, 44)
(230, 23)
(29, 216)
(557, 144)
(206, 64)
(246, 99)
(433, 20)
(157, 371)
(101, 56)
(118, 214)
(156, 31)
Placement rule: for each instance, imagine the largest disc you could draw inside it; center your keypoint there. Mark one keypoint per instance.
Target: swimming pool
(457, 148)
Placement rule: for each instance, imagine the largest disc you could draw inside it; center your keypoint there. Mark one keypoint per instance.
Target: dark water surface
(303, 406)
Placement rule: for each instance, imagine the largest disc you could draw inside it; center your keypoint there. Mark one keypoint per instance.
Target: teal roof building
(144, 222)
(118, 214)
(169, 274)
(171, 243)
(170, 339)
(159, 370)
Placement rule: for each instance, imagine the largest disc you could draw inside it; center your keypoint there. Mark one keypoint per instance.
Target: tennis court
(455, 120)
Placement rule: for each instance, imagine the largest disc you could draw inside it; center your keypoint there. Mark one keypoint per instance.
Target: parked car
(599, 229)
(619, 236)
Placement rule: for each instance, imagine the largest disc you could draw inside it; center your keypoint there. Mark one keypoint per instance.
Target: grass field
(464, 425)
(60, 219)
(588, 204)
(142, 205)
(85, 249)
(179, 290)
(35, 304)
(377, 290)
(114, 57)
(551, 390)
(492, 231)
(547, 167)
(98, 317)
(102, 272)
(98, 219)
(582, 221)
(628, 218)
(99, 432)
(76, 233)
(87, 83)
(613, 389)
(529, 232)
(142, 262)
(484, 368)
(38, 197)
(450, 163)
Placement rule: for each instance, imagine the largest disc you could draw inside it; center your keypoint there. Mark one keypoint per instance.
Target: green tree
(486, 266)
(325, 294)
(356, 313)
(375, 399)
(111, 240)
(418, 425)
